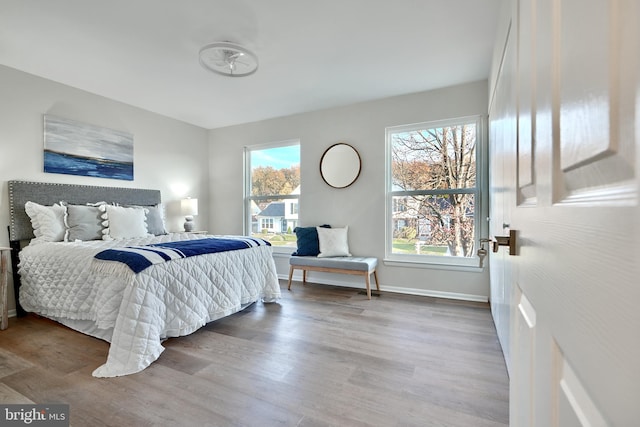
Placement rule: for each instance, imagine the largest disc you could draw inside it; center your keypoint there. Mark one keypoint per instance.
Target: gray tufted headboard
(46, 193)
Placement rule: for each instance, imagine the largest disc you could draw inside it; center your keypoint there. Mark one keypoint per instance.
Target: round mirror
(340, 165)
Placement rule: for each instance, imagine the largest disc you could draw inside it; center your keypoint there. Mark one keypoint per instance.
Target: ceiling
(313, 54)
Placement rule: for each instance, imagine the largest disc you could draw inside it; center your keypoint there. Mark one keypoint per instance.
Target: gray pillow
(84, 223)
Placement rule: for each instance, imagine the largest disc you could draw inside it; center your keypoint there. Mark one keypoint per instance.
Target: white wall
(360, 206)
(169, 155)
(180, 159)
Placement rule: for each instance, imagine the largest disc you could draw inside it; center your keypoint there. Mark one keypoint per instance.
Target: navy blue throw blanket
(137, 258)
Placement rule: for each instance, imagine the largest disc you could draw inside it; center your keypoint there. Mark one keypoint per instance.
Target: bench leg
(375, 276)
(304, 276)
(368, 285)
(290, 275)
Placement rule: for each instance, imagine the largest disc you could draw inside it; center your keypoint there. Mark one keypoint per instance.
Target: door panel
(526, 102)
(502, 130)
(584, 38)
(575, 407)
(596, 150)
(522, 376)
(576, 211)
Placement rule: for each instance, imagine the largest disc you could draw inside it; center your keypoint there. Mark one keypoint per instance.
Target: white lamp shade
(189, 206)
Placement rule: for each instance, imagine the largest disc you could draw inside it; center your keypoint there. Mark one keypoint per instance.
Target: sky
(81, 139)
(277, 158)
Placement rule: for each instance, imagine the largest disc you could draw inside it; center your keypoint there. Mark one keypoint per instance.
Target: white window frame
(248, 198)
(480, 198)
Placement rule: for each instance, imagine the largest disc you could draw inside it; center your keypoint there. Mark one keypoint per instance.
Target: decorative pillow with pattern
(333, 242)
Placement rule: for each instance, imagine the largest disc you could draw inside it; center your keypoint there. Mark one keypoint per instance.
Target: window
(272, 189)
(433, 191)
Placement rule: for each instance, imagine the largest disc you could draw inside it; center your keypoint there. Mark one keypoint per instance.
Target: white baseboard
(396, 289)
(436, 294)
(13, 313)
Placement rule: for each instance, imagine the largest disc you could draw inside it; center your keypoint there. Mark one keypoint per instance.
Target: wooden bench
(361, 266)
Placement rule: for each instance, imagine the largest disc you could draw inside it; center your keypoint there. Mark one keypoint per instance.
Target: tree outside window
(433, 188)
(272, 191)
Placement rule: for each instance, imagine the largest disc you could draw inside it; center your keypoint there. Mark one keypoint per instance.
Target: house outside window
(436, 176)
(272, 190)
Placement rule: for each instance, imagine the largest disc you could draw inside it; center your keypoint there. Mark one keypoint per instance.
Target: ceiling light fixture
(228, 59)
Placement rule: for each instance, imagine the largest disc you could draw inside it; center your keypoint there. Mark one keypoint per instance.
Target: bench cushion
(341, 262)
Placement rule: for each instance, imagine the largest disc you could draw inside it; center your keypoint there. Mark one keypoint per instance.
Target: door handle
(509, 241)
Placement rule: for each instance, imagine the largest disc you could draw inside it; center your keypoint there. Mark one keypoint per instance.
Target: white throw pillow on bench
(333, 242)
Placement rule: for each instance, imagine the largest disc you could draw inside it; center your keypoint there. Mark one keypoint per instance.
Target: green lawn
(277, 239)
(405, 246)
(400, 246)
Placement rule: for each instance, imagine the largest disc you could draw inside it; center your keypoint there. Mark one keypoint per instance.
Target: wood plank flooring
(322, 356)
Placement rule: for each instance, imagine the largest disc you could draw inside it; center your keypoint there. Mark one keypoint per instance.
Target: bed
(133, 311)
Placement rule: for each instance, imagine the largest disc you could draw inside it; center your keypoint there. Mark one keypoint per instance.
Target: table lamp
(189, 208)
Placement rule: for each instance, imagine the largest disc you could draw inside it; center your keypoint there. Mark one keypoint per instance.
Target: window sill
(471, 266)
(282, 251)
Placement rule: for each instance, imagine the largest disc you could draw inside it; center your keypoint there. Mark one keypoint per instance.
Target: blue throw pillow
(308, 243)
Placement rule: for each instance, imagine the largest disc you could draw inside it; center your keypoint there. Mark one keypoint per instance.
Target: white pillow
(333, 242)
(155, 218)
(48, 222)
(122, 223)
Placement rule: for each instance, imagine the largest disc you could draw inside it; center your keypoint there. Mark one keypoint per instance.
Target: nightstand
(4, 304)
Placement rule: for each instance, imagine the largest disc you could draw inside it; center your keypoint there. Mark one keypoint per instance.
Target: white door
(502, 134)
(575, 281)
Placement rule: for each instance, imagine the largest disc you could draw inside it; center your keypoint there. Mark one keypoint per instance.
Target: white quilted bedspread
(166, 300)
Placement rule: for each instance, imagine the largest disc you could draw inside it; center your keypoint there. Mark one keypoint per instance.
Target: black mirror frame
(322, 159)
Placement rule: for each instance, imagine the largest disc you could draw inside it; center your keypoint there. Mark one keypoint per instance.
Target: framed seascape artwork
(76, 148)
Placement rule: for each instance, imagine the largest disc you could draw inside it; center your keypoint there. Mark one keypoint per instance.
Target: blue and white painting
(76, 148)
